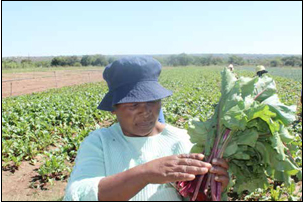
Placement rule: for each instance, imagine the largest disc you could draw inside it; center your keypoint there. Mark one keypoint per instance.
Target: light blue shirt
(108, 151)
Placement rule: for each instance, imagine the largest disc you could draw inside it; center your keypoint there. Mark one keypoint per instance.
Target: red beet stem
(199, 182)
(218, 191)
(213, 188)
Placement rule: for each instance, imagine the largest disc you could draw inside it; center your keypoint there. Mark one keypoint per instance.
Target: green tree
(216, 61)
(72, 60)
(173, 61)
(100, 60)
(42, 63)
(77, 64)
(26, 63)
(236, 60)
(274, 63)
(111, 59)
(184, 59)
(292, 61)
(87, 60)
(10, 64)
(55, 61)
(197, 60)
(180, 60)
(206, 61)
(59, 61)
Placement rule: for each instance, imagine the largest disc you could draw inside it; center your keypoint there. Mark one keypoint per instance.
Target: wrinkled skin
(139, 119)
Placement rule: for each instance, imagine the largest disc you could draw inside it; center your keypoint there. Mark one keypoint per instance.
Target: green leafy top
(256, 119)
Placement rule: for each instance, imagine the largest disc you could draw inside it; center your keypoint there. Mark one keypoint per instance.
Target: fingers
(224, 180)
(179, 176)
(220, 168)
(193, 159)
(189, 165)
(192, 156)
(220, 162)
(193, 162)
(192, 170)
(219, 171)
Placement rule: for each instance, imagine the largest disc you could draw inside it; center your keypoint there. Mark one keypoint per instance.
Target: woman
(138, 157)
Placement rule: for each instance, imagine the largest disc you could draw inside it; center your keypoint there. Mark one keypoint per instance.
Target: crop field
(45, 129)
(291, 73)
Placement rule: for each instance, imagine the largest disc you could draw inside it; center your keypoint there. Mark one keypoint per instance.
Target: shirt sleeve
(89, 169)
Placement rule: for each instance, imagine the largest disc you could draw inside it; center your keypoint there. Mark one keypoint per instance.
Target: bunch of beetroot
(249, 129)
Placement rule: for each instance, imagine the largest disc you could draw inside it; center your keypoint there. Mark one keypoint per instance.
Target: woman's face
(138, 119)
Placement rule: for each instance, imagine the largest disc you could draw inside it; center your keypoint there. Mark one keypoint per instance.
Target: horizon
(41, 29)
(152, 55)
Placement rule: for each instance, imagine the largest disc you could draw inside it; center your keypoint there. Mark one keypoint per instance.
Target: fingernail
(216, 178)
(205, 170)
(191, 176)
(214, 160)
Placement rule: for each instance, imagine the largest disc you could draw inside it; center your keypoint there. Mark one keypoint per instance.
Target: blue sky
(109, 28)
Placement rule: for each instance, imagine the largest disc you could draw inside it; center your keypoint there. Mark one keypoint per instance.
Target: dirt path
(17, 186)
(26, 83)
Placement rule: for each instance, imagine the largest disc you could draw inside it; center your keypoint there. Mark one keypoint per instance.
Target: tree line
(87, 60)
(185, 60)
(171, 60)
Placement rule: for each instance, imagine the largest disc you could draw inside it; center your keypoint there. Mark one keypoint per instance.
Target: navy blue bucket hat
(132, 79)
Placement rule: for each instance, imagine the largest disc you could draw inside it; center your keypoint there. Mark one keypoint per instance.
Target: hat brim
(139, 92)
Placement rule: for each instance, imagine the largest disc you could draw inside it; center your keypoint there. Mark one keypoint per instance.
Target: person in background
(260, 70)
(161, 117)
(137, 158)
(231, 67)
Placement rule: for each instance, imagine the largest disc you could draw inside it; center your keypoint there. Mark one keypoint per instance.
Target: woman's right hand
(174, 168)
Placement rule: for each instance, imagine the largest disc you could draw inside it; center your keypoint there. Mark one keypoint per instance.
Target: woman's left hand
(219, 169)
